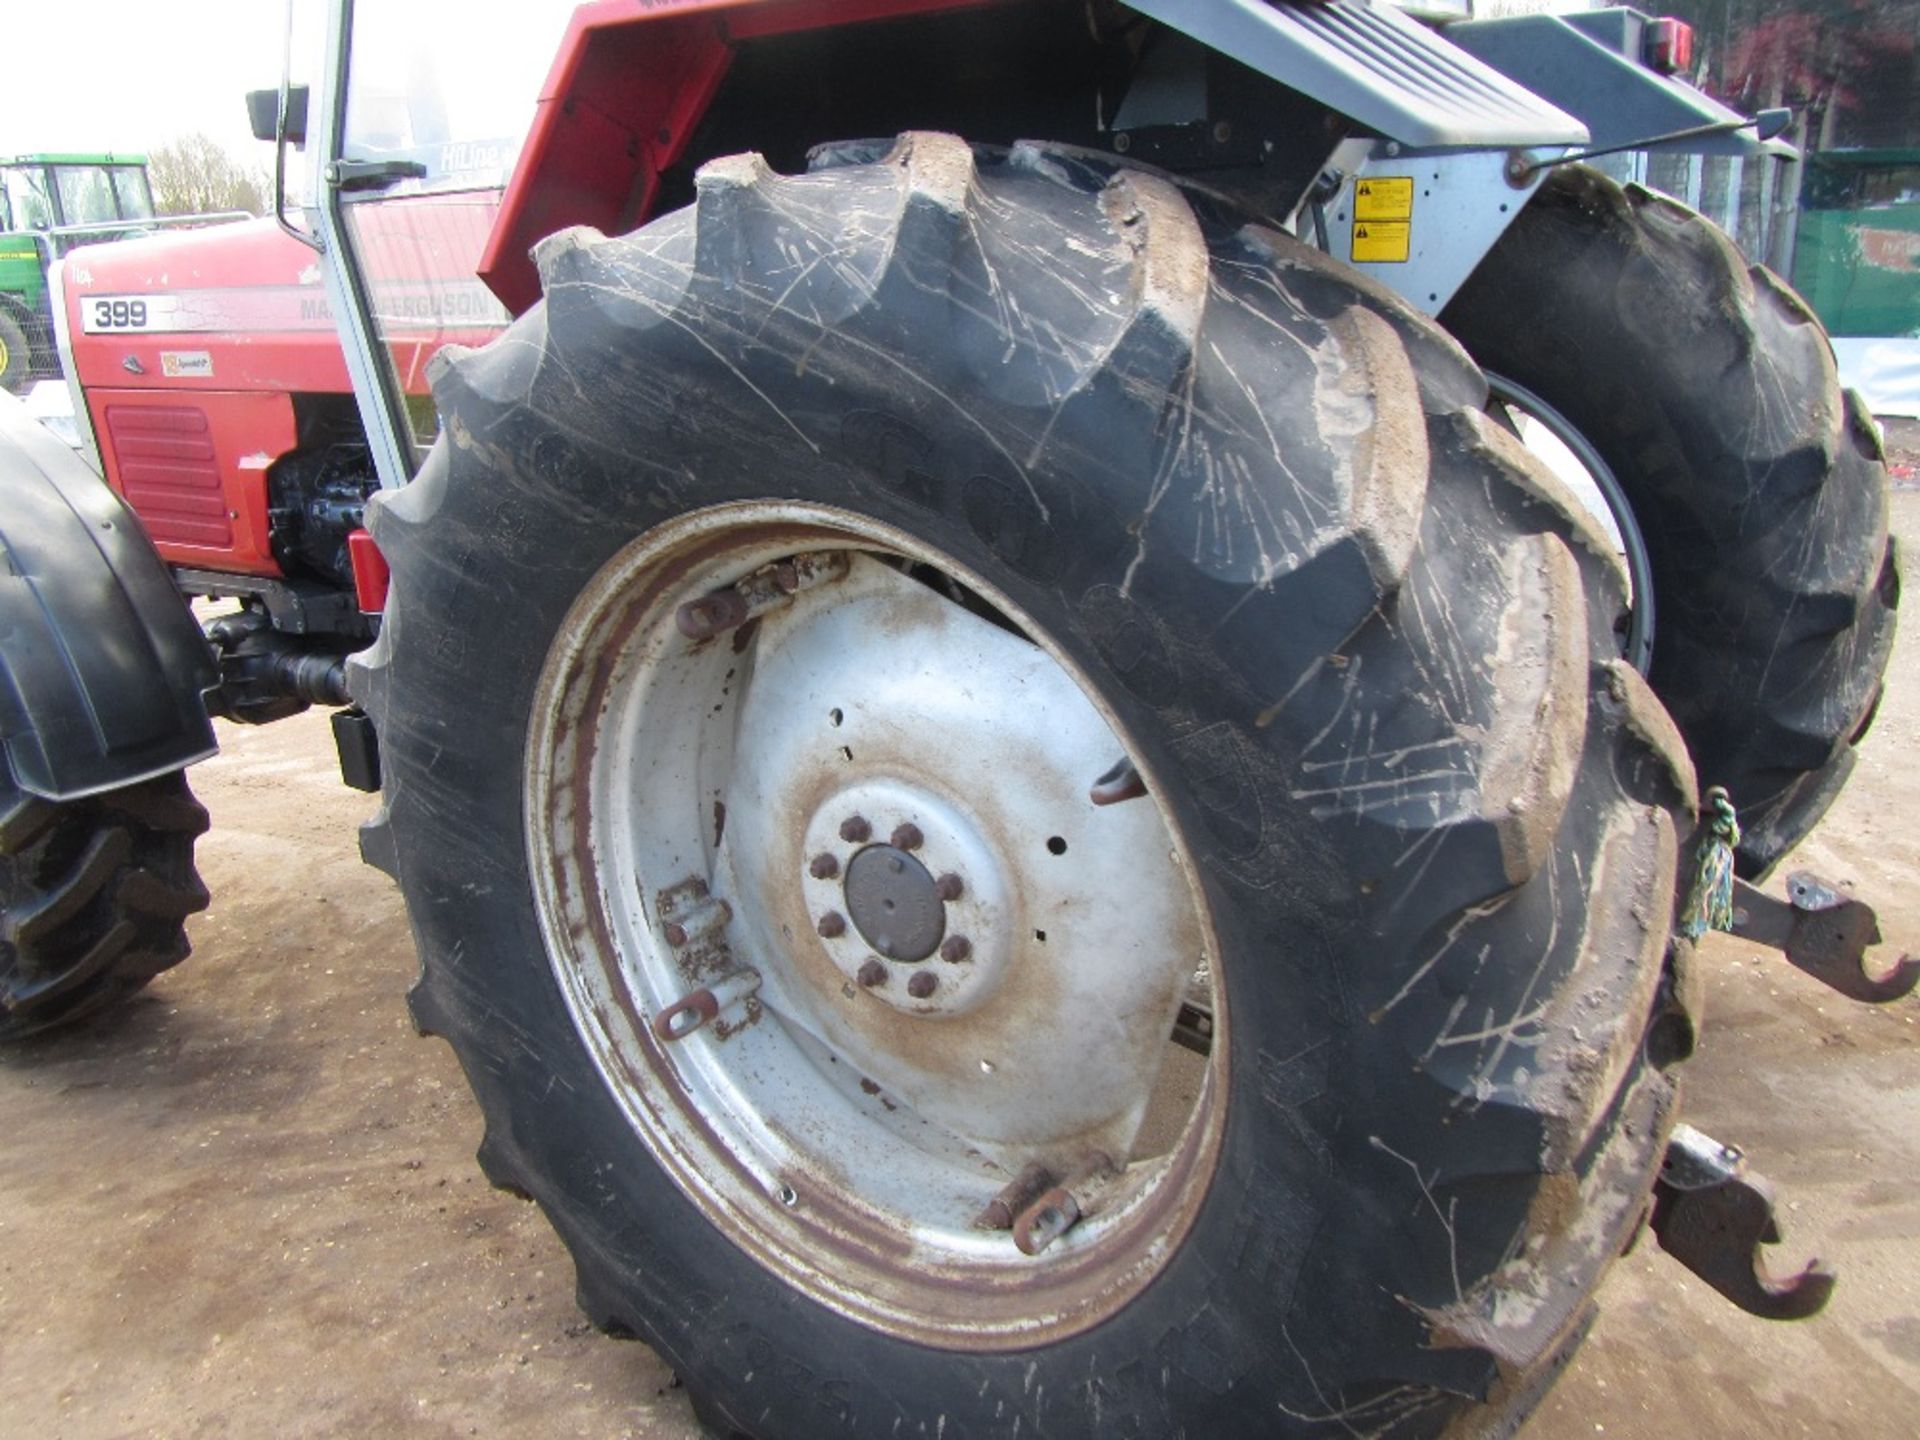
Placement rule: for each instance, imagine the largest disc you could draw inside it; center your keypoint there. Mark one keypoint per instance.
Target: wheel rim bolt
(922, 985)
(1014, 1197)
(949, 888)
(715, 614)
(955, 948)
(832, 925)
(705, 919)
(1058, 1210)
(824, 866)
(872, 973)
(855, 829)
(907, 836)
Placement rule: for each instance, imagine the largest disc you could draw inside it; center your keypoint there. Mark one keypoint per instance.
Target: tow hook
(1712, 1215)
(1825, 932)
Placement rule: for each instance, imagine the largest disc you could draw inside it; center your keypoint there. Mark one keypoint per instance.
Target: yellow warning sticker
(1383, 197)
(1381, 241)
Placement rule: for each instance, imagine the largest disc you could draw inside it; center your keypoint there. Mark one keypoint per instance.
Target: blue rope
(1710, 905)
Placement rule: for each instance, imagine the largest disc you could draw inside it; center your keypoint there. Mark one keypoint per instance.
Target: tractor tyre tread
(1362, 639)
(94, 895)
(1760, 487)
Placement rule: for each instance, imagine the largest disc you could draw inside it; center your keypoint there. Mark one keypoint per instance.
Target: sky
(145, 73)
(138, 73)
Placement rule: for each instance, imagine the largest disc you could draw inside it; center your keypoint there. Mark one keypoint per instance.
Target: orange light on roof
(1668, 46)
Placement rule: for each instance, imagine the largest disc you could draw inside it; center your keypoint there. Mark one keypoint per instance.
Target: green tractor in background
(1857, 262)
(50, 203)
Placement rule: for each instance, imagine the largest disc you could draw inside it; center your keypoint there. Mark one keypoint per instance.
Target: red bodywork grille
(169, 474)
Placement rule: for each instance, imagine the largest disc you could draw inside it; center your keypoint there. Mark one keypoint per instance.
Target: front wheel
(1031, 842)
(94, 896)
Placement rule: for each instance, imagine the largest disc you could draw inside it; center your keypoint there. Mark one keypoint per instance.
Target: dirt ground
(247, 1205)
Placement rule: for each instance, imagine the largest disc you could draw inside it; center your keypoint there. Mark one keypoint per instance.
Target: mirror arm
(280, 142)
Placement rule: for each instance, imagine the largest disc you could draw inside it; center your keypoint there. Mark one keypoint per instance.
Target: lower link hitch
(1712, 1215)
(1825, 932)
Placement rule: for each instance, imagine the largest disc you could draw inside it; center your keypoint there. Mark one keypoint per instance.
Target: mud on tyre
(979, 431)
(1709, 389)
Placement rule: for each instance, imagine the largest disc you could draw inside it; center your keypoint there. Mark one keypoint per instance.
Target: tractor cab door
(426, 133)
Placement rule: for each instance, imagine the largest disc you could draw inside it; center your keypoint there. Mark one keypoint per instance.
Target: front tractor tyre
(1759, 487)
(94, 896)
(1019, 826)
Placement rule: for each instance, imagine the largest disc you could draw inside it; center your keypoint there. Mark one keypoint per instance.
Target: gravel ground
(246, 1205)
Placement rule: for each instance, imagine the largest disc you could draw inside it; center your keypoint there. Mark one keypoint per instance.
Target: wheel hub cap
(940, 957)
(892, 900)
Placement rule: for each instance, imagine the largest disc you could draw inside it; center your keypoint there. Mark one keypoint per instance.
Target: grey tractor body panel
(102, 665)
(1589, 66)
(1376, 65)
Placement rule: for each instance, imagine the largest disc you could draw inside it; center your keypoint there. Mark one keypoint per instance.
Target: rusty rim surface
(875, 980)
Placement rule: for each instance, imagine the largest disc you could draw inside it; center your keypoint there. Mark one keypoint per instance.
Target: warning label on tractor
(1383, 219)
(1383, 197)
(1382, 241)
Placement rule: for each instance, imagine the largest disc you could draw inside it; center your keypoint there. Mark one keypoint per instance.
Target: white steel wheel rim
(848, 1133)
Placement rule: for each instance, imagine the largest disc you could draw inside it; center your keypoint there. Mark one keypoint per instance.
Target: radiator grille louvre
(170, 473)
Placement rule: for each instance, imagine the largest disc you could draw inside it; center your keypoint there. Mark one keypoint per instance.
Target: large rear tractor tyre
(1760, 488)
(94, 895)
(765, 632)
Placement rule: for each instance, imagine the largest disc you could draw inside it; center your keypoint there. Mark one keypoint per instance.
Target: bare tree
(194, 175)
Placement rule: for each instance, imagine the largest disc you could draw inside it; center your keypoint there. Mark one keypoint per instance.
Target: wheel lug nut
(907, 836)
(824, 866)
(955, 948)
(948, 887)
(855, 829)
(714, 615)
(872, 973)
(832, 925)
(922, 984)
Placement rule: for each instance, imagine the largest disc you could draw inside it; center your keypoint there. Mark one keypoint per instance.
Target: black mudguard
(102, 665)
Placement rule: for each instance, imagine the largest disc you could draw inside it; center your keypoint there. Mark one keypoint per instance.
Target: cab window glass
(86, 194)
(28, 199)
(459, 113)
(135, 195)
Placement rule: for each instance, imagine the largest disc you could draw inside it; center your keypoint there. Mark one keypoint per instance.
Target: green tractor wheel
(16, 354)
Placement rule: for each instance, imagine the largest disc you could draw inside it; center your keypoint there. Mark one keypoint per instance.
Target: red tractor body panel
(189, 393)
(630, 84)
(193, 465)
(190, 347)
(233, 307)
